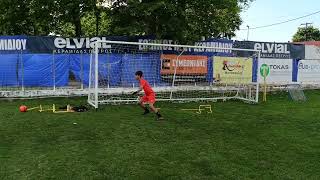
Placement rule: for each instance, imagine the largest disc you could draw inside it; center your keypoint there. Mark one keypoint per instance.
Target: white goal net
(177, 73)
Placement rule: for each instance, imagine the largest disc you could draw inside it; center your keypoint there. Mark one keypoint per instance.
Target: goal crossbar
(169, 45)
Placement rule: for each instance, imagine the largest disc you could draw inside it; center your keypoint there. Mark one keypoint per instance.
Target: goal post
(177, 73)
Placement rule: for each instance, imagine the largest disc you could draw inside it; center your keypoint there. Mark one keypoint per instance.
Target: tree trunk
(77, 24)
(97, 14)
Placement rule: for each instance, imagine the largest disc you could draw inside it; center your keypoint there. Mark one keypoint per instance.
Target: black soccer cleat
(146, 112)
(159, 117)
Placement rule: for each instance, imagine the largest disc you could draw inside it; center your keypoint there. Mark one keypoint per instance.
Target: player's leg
(152, 101)
(143, 100)
(155, 110)
(152, 107)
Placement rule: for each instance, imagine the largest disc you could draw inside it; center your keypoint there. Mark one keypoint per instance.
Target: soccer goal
(177, 73)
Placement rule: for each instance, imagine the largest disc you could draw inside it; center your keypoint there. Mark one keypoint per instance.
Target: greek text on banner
(184, 65)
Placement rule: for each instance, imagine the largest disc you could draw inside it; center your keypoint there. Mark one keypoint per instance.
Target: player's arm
(139, 90)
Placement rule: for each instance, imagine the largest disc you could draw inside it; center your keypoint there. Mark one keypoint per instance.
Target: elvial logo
(79, 43)
(273, 50)
(231, 66)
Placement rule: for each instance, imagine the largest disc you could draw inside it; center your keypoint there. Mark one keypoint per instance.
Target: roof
(315, 43)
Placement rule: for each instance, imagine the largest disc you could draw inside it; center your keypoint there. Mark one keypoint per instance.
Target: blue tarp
(8, 69)
(149, 64)
(78, 60)
(114, 69)
(109, 68)
(38, 70)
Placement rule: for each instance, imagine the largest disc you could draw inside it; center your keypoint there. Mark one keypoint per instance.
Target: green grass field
(279, 139)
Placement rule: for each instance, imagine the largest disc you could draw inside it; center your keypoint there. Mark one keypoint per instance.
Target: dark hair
(139, 73)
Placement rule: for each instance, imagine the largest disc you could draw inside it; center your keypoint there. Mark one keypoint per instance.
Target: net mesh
(296, 92)
(176, 73)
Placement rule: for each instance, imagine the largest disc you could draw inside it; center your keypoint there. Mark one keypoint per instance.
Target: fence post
(108, 68)
(81, 70)
(53, 71)
(22, 71)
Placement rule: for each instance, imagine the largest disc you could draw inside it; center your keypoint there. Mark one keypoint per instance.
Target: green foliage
(184, 20)
(274, 140)
(89, 27)
(71, 11)
(309, 34)
(42, 17)
(29, 17)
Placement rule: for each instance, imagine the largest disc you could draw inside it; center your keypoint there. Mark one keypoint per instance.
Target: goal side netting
(177, 73)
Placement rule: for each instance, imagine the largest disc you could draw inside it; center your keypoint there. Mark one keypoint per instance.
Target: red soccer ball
(23, 108)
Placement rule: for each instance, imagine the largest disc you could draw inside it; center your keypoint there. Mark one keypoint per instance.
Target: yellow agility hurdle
(207, 108)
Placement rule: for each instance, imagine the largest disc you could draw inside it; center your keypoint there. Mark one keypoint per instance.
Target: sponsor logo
(13, 44)
(184, 65)
(309, 66)
(264, 70)
(273, 50)
(79, 43)
(156, 48)
(231, 66)
(190, 63)
(279, 67)
(217, 47)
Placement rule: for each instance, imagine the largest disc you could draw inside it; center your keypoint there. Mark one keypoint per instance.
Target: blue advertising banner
(273, 50)
(62, 45)
(66, 45)
(12, 44)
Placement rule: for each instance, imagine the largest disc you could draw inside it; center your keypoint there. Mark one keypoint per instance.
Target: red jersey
(146, 87)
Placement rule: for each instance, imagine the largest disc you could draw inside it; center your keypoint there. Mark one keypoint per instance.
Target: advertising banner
(279, 71)
(233, 69)
(63, 45)
(184, 65)
(309, 71)
(273, 50)
(13, 44)
(312, 52)
(83, 45)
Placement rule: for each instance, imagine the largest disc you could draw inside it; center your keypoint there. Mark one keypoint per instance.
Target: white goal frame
(248, 93)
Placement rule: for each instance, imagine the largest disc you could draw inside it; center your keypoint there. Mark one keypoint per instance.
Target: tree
(183, 20)
(306, 34)
(28, 17)
(13, 20)
(71, 11)
(42, 17)
(86, 16)
(90, 24)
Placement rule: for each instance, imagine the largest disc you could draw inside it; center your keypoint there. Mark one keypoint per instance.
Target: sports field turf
(279, 139)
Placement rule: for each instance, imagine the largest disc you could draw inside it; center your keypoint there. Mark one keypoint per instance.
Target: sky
(265, 12)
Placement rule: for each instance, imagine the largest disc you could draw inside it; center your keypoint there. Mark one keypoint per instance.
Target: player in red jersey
(149, 95)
